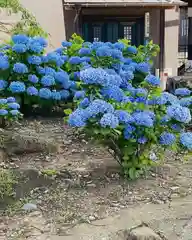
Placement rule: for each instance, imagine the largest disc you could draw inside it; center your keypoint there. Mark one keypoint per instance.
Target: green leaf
(68, 111)
(132, 173)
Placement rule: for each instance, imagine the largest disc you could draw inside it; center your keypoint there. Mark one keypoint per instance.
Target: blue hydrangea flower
(20, 38)
(104, 51)
(33, 78)
(56, 58)
(17, 87)
(185, 102)
(3, 84)
(35, 60)
(170, 98)
(47, 81)
(19, 48)
(3, 112)
(13, 105)
(119, 45)
(182, 92)
(32, 91)
(59, 50)
(3, 101)
(14, 112)
(86, 60)
(99, 106)
(127, 75)
(114, 92)
(74, 60)
(49, 71)
(56, 96)
(167, 138)
(142, 119)
(143, 67)
(97, 76)
(153, 80)
(79, 94)
(142, 140)
(132, 49)
(116, 54)
(61, 77)
(84, 103)
(45, 93)
(109, 120)
(35, 46)
(128, 131)
(11, 99)
(84, 51)
(43, 42)
(4, 63)
(20, 68)
(186, 140)
(64, 94)
(123, 116)
(179, 113)
(77, 118)
(66, 44)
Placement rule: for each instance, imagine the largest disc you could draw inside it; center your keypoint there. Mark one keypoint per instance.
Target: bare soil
(80, 184)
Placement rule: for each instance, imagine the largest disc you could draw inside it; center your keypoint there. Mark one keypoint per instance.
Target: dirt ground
(80, 184)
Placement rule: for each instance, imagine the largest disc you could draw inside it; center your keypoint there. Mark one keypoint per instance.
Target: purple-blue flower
(186, 140)
(167, 138)
(11, 99)
(123, 116)
(17, 87)
(14, 112)
(182, 92)
(75, 60)
(153, 80)
(20, 38)
(35, 60)
(3, 84)
(47, 81)
(3, 112)
(20, 68)
(4, 63)
(19, 48)
(132, 49)
(33, 78)
(45, 93)
(109, 120)
(179, 113)
(56, 95)
(3, 100)
(32, 91)
(13, 105)
(79, 94)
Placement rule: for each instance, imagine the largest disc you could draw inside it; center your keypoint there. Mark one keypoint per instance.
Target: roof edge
(124, 4)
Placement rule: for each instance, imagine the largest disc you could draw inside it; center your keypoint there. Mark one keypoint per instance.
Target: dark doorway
(110, 29)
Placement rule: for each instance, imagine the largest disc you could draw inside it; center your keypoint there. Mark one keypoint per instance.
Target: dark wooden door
(111, 31)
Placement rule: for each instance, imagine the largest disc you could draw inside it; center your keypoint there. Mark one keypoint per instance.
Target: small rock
(143, 233)
(92, 218)
(174, 188)
(29, 207)
(91, 185)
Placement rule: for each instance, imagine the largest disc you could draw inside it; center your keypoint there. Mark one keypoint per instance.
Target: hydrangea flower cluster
(9, 109)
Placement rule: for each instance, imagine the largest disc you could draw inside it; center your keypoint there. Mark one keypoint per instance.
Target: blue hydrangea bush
(30, 74)
(121, 105)
(9, 111)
